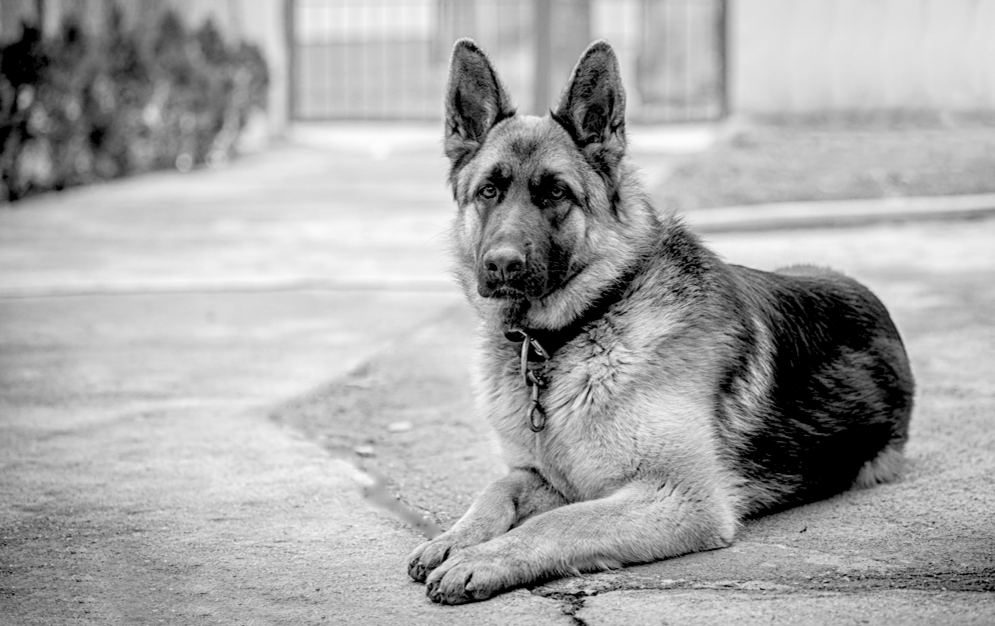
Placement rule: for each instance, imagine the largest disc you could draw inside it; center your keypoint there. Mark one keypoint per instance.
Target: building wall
(792, 56)
(785, 56)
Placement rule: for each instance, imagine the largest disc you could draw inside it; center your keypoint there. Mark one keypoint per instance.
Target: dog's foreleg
(502, 505)
(641, 522)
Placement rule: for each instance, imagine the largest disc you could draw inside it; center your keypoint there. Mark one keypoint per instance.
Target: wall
(842, 55)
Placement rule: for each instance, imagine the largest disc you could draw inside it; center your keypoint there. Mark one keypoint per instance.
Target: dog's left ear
(592, 107)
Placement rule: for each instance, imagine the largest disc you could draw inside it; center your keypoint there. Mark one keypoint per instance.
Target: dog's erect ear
(475, 101)
(592, 107)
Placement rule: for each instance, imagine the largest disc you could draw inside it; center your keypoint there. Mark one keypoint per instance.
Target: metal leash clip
(533, 355)
(537, 415)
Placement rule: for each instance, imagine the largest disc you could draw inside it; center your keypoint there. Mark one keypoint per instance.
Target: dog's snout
(504, 264)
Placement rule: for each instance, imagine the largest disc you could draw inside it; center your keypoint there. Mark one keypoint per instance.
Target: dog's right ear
(475, 101)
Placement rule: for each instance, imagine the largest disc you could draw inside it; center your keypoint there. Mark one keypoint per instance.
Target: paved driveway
(188, 364)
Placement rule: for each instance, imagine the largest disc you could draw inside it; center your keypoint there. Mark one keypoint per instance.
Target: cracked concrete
(749, 608)
(189, 364)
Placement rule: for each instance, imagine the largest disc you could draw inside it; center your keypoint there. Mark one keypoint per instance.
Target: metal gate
(387, 59)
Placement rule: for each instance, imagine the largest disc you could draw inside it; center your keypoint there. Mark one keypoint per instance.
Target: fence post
(723, 58)
(543, 57)
(293, 80)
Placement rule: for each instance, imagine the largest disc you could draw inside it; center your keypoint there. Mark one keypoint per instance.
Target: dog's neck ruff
(538, 345)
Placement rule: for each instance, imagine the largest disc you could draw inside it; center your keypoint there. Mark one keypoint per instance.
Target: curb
(191, 285)
(735, 219)
(382, 139)
(840, 213)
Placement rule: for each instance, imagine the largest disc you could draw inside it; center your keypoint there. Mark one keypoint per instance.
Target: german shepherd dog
(648, 396)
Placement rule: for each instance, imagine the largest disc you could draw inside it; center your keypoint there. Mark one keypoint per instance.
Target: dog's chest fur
(597, 435)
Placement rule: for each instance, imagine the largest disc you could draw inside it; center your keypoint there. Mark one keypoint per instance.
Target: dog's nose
(504, 264)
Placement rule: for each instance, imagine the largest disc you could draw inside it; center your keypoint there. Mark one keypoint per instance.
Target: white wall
(265, 24)
(825, 55)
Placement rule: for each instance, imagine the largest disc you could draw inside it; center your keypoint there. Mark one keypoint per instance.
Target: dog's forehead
(527, 145)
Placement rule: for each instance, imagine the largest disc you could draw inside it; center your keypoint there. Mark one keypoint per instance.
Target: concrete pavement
(194, 368)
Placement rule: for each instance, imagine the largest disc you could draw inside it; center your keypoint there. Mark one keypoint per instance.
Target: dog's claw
(416, 566)
(416, 571)
(431, 590)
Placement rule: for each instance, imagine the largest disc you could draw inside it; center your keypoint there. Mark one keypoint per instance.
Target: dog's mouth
(520, 291)
(501, 292)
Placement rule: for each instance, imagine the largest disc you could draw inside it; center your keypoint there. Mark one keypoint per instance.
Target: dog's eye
(557, 193)
(488, 192)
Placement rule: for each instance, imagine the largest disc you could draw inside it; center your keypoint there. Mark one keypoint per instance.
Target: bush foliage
(77, 108)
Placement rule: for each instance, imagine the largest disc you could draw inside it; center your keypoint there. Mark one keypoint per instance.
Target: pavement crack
(570, 605)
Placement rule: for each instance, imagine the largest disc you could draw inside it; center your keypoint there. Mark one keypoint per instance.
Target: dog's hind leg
(641, 522)
(503, 504)
(885, 467)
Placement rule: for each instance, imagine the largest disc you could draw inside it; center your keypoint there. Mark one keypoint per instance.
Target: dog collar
(538, 345)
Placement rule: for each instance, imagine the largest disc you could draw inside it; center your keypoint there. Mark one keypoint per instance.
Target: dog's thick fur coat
(681, 395)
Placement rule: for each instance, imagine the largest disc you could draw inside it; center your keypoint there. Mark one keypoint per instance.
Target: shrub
(77, 108)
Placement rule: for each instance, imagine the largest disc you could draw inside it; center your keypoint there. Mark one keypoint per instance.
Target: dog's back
(839, 388)
(811, 383)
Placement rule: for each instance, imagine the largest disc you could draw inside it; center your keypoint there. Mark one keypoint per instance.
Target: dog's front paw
(469, 576)
(431, 554)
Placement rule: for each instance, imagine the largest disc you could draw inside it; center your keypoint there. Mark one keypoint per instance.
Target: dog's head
(540, 209)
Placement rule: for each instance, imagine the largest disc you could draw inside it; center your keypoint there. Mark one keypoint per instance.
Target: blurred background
(96, 89)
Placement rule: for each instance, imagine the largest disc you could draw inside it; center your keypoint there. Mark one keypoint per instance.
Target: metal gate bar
(386, 59)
